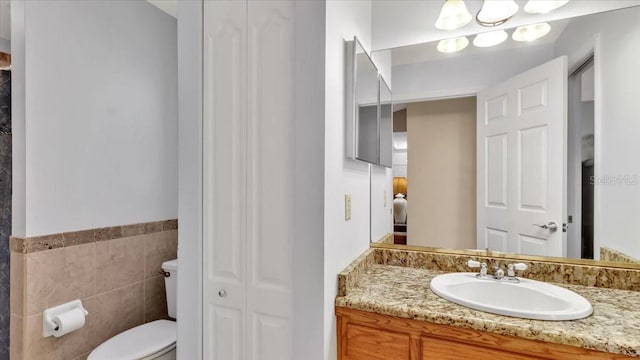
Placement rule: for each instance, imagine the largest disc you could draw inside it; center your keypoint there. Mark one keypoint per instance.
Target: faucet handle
(511, 268)
(478, 264)
(520, 266)
(473, 264)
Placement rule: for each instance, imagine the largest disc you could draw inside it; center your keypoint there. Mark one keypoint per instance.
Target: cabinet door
(439, 349)
(364, 343)
(224, 182)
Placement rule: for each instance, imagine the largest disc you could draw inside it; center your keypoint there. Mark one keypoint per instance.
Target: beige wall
(114, 271)
(442, 173)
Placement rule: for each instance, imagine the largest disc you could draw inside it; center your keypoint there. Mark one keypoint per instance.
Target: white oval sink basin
(527, 299)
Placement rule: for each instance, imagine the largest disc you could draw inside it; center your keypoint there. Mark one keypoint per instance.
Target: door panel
(531, 245)
(496, 239)
(224, 183)
(496, 159)
(532, 97)
(521, 161)
(227, 324)
(440, 349)
(532, 147)
(271, 336)
(363, 343)
(496, 109)
(270, 174)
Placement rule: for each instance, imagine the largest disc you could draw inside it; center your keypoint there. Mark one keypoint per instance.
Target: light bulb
(453, 45)
(454, 15)
(531, 32)
(496, 12)
(491, 38)
(543, 6)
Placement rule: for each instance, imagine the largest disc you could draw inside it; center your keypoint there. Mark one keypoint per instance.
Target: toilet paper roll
(68, 321)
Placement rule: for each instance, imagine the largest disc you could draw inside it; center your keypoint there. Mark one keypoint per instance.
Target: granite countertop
(404, 292)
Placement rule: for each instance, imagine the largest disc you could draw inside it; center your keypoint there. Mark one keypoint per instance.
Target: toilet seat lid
(137, 343)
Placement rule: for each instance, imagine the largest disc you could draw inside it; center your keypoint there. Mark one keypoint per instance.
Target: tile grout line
(119, 288)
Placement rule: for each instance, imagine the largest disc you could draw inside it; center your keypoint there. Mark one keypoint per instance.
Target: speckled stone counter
(404, 292)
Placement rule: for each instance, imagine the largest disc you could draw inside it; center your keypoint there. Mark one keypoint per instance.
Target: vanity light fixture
(491, 38)
(496, 12)
(543, 6)
(453, 45)
(454, 15)
(531, 32)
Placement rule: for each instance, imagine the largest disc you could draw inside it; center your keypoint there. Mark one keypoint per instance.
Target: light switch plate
(347, 207)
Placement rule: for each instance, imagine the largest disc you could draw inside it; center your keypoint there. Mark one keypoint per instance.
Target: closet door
(270, 132)
(248, 169)
(225, 180)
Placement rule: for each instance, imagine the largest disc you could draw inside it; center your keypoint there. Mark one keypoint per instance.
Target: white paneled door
(247, 139)
(521, 162)
(269, 179)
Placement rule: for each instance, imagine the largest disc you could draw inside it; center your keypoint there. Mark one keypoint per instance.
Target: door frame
(575, 60)
(190, 181)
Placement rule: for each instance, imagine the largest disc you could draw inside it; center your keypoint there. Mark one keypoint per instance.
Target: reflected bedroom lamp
(399, 185)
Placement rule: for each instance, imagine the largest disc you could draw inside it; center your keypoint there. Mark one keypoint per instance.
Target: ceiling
(398, 23)
(168, 6)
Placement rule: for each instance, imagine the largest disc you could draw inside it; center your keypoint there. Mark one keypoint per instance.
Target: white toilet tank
(171, 285)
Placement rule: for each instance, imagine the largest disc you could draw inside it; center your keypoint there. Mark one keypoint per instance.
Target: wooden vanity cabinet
(369, 336)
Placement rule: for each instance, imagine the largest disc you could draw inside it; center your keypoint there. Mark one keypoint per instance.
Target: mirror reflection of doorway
(5, 198)
(399, 170)
(440, 172)
(580, 161)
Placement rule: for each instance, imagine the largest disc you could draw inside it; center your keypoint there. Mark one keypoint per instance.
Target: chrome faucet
(498, 272)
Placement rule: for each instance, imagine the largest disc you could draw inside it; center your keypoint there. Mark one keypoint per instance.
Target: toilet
(155, 340)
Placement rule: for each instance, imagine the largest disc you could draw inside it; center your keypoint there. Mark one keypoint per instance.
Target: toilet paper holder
(48, 326)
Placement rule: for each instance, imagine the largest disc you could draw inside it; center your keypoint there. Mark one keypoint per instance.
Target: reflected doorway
(580, 161)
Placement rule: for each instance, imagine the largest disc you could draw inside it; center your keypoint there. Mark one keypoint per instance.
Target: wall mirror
(369, 119)
(362, 99)
(386, 124)
(380, 175)
(523, 147)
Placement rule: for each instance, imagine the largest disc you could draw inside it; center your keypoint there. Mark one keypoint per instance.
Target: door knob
(222, 293)
(551, 226)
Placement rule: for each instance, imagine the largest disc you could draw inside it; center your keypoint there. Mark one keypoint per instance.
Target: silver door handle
(551, 226)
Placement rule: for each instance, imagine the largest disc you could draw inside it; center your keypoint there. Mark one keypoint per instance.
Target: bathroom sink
(528, 299)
